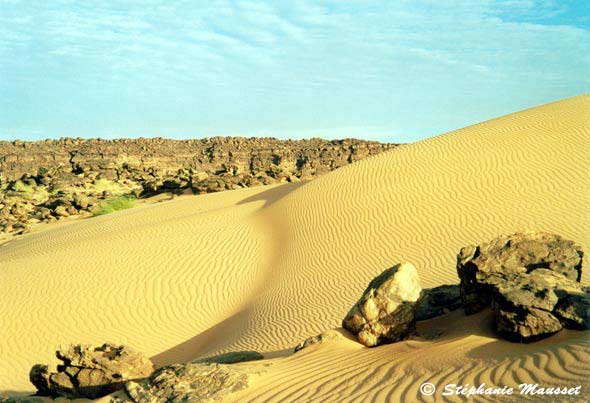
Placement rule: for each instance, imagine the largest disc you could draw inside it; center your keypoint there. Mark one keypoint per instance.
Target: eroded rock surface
(90, 372)
(193, 382)
(531, 280)
(233, 357)
(531, 306)
(484, 266)
(386, 311)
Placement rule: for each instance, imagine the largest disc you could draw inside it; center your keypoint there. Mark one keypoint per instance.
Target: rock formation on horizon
(51, 180)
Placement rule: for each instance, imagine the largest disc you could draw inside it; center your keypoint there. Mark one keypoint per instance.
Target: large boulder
(531, 281)
(484, 266)
(90, 372)
(385, 311)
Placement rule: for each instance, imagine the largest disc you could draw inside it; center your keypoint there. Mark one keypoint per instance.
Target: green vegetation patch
(33, 193)
(115, 204)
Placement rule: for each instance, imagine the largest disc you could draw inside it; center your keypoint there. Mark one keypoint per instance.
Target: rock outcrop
(385, 312)
(193, 382)
(52, 180)
(531, 281)
(232, 357)
(481, 267)
(90, 372)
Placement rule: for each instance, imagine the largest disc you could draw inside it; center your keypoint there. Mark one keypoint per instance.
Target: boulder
(61, 211)
(531, 281)
(385, 312)
(483, 266)
(90, 372)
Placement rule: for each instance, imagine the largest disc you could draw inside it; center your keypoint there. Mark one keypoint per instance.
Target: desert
(263, 268)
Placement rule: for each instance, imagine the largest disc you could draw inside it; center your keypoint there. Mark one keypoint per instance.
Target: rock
(526, 325)
(39, 377)
(385, 312)
(438, 301)
(192, 382)
(327, 336)
(47, 174)
(573, 310)
(90, 372)
(523, 306)
(61, 211)
(200, 176)
(233, 357)
(481, 267)
(81, 202)
(531, 281)
(22, 399)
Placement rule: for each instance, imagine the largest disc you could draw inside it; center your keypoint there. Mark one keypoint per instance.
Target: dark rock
(438, 301)
(233, 357)
(573, 310)
(531, 282)
(526, 325)
(386, 311)
(39, 377)
(481, 267)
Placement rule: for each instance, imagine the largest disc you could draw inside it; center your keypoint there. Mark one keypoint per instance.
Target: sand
(264, 268)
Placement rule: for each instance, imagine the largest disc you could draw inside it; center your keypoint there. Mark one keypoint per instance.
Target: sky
(396, 71)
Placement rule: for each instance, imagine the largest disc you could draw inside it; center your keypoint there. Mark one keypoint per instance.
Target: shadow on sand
(274, 194)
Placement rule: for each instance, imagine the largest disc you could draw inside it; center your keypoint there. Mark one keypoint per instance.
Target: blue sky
(385, 70)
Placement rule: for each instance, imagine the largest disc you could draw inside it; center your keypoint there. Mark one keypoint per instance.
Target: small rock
(61, 211)
(233, 357)
(327, 336)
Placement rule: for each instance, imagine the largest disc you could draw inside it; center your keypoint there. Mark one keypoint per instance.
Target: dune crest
(264, 268)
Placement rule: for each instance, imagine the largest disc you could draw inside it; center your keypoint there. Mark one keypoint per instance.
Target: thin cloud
(249, 66)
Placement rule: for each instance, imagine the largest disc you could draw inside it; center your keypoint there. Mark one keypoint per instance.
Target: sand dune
(264, 268)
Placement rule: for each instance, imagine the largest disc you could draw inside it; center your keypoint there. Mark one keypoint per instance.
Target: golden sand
(264, 268)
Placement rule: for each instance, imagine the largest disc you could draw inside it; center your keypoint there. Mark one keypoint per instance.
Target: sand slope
(264, 268)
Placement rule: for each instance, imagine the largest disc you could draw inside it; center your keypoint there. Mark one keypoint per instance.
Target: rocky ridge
(51, 180)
